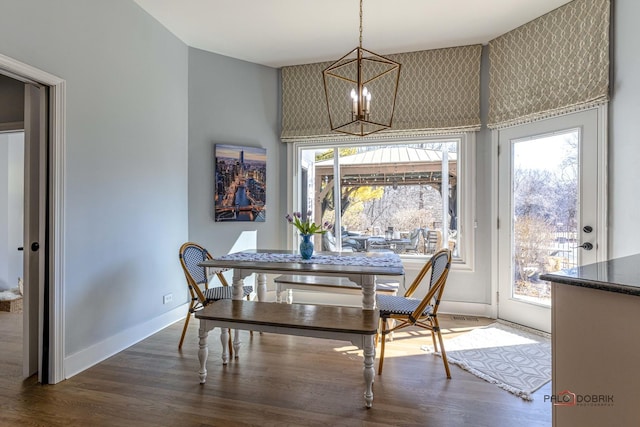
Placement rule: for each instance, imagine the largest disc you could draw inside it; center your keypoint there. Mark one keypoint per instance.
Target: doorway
(45, 304)
(11, 265)
(551, 209)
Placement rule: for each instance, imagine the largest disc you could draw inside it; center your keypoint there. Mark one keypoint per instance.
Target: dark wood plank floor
(278, 380)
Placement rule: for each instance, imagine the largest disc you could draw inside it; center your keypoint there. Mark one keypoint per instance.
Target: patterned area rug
(513, 358)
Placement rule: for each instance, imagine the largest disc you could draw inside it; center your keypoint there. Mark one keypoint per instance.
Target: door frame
(57, 138)
(602, 200)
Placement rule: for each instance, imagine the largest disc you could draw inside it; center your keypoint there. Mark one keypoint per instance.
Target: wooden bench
(350, 324)
(339, 285)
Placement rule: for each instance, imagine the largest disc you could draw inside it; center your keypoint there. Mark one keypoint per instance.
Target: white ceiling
(289, 32)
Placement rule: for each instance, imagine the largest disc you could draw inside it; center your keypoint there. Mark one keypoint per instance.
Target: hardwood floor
(278, 380)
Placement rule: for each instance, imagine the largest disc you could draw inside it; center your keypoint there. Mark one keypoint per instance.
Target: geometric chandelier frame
(349, 86)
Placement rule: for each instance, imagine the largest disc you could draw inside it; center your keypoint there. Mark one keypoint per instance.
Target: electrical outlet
(167, 298)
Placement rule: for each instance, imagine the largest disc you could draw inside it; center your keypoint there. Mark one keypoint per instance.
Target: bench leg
(369, 351)
(236, 342)
(288, 294)
(224, 339)
(203, 351)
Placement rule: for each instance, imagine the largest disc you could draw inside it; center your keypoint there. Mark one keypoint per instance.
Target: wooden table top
(309, 267)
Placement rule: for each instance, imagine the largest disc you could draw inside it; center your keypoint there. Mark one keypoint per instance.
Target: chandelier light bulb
(354, 99)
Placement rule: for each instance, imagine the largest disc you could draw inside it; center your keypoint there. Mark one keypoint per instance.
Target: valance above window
(439, 93)
(555, 64)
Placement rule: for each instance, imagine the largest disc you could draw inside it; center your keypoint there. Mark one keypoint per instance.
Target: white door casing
(57, 130)
(591, 127)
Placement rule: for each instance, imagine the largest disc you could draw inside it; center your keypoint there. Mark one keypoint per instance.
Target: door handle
(586, 246)
(35, 246)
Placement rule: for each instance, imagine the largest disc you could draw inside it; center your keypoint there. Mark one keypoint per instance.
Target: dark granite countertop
(620, 275)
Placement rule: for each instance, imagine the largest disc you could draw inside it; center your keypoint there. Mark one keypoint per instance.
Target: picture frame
(240, 183)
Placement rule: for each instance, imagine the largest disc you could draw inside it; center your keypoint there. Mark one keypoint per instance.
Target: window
(391, 194)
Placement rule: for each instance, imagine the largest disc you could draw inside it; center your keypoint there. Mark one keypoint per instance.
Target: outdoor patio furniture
(414, 239)
(430, 241)
(378, 243)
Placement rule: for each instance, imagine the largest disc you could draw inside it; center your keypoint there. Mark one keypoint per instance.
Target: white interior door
(35, 181)
(551, 211)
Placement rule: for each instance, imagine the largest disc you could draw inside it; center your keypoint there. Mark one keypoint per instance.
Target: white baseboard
(84, 359)
(466, 308)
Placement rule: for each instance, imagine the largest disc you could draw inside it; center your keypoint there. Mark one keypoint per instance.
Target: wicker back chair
(406, 311)
(198, 278)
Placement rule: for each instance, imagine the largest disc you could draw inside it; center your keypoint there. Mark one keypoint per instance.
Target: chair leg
(184, 329)
(433, 340)
(436, 329)
(382, 341)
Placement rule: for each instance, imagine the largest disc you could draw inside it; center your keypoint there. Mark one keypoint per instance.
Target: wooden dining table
(359, 267)
(356, 325)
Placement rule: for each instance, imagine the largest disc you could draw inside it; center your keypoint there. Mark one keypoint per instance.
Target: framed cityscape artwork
(240, 183)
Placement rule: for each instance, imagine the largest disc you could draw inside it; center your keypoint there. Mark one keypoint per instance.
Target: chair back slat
(439, 264)
(420, 277)
(191, 254)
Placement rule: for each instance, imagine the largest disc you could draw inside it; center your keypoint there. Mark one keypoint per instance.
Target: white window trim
(466, 180)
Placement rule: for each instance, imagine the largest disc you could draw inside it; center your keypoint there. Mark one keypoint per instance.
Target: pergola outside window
(400, 197)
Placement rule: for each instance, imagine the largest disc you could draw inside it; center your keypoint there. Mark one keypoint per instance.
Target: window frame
(467, 222)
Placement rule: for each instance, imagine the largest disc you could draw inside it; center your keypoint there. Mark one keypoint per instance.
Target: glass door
(548, 210)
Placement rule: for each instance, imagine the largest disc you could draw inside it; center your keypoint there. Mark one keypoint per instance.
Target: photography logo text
(569, 398)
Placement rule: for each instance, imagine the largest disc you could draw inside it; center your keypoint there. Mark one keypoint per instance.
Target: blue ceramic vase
(306, 246)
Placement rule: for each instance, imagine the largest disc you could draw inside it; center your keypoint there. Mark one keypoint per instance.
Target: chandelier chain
(360, 24)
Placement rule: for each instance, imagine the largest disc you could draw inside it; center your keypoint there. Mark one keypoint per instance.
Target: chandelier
(361, 89)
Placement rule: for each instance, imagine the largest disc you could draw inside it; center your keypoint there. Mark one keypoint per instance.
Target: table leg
(203, 350)
(368, 292)
(238, 284)
(262, 287)
(369, 352)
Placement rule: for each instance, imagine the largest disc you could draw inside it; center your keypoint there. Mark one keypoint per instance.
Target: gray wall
(624, 132)
(126, 156)
(11, 100)
(233, 102)
(475, 286)
(480, 284)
